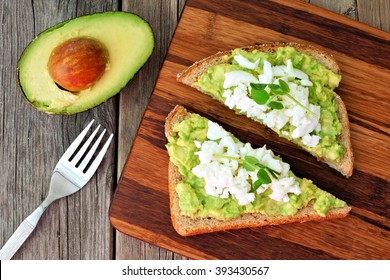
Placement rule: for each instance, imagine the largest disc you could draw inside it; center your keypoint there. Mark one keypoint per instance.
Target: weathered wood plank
(375, 13)
(32, 142)
(344, 7)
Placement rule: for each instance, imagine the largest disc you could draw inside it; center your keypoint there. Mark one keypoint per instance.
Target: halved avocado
(128, 40)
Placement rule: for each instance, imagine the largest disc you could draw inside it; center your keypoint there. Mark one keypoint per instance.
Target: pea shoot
(251, 163)
(262, 97)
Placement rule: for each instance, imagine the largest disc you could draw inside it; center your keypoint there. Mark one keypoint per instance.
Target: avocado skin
(80, 104)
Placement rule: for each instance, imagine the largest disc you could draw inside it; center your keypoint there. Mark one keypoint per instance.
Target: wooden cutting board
(140, 207)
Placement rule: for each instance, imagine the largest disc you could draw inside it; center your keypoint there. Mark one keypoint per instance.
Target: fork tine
(91, 170)
(88, 157)
(82, 150)
(72, 148)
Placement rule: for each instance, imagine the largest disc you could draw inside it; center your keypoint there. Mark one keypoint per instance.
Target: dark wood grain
(320, 30)
(140, 205)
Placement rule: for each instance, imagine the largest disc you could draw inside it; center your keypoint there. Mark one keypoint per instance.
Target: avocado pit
(78, 63)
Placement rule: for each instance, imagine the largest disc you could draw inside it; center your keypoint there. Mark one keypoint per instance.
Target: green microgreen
(261, 96)
(262, 178)
(259, 86)
(275, 105)
(251, 163)
(284, 86)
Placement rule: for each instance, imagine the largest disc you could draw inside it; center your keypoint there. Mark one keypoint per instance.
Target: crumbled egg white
(225, 177)
(234, 78)
(236, 94)
(244, 62)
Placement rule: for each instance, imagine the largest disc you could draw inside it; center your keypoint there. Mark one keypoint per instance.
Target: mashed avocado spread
(194, 201)
(321, 139)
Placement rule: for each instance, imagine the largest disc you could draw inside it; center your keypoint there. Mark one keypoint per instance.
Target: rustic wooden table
(31, 142)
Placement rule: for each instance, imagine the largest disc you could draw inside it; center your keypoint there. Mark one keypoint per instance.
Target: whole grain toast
(345, 166)
(186, 225)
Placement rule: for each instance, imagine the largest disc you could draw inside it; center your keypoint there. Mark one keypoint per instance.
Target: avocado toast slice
(218, 183)
(286, 86)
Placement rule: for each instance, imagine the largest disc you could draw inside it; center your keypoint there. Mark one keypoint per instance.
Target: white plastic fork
(68, 177)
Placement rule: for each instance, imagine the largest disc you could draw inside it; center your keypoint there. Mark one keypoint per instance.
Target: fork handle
(21, 234)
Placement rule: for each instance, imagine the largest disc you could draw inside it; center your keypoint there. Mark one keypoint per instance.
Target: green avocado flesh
(195, 202)
(320, 94)
(128, 39)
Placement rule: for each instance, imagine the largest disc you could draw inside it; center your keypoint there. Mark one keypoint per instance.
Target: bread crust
(187, 226)
(345, 165)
